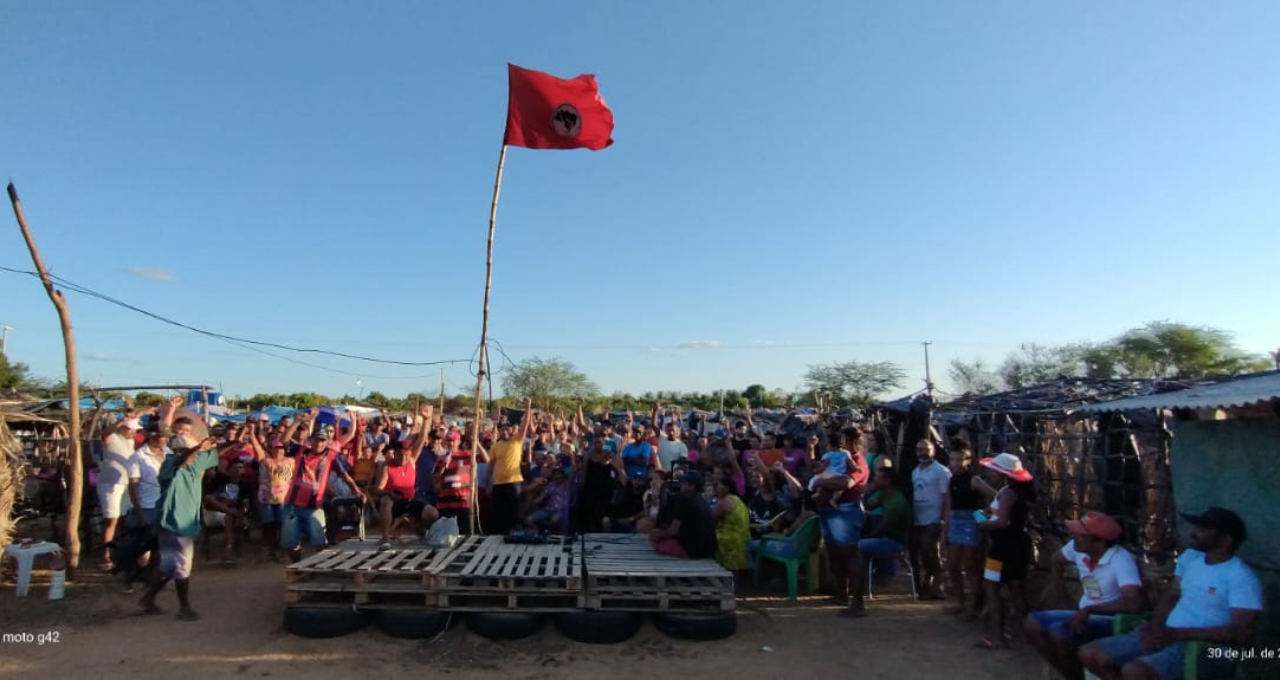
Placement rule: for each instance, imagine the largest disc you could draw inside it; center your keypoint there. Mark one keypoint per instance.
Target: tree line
(1160, 349)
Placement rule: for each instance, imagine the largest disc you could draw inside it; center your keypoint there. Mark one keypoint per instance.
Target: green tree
(13, 375)
(547, 381)
(148, 399)
(757, 396)
(1032, 364)
(1166, 349)
(973, 377)
(854, 382)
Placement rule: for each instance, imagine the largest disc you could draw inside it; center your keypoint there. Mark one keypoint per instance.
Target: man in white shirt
(113, 479)
(144, 485)
(1214, 597)
(931, 481)
(1111, 584)
(670, 448)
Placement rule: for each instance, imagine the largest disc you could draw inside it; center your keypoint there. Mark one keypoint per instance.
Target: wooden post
(75, 462)
(484, 336)
(442, 392)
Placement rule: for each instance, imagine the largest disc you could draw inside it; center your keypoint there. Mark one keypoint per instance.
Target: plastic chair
(794, 551)
(900, 558)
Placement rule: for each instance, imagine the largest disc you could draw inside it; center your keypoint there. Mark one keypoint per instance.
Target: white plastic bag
(444, 533)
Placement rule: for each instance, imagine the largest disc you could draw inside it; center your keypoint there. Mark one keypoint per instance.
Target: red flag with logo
(546, 112)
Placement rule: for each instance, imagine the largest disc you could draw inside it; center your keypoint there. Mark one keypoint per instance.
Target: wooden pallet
(488, 565)
(625, 573)
(657, 601)
(474, 601)
(356, 573)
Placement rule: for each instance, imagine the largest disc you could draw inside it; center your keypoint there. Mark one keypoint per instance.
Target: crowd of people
(694, 495)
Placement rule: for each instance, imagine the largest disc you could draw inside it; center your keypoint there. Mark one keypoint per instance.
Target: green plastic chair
(1195, 649)
(794, 551)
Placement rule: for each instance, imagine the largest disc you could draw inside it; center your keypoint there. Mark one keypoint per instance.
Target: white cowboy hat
(1008, 465)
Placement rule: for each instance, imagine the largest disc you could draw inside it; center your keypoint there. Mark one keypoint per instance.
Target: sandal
(987, 644)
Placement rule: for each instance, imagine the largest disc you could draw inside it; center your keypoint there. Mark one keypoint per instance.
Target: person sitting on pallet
(691, 530)
(452, 478)
(399, 500)
(1214, 597)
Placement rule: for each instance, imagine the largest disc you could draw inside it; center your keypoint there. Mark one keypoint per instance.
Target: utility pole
(4, 339)
(442, 391)
(928, 377)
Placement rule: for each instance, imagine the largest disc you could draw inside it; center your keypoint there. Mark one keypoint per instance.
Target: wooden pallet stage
(485, 573)
(356, 573)
(624, 573)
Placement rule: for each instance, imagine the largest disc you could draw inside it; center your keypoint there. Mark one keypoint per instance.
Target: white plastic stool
(25, 557)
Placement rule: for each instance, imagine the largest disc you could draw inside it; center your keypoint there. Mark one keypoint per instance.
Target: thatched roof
(1060, 395)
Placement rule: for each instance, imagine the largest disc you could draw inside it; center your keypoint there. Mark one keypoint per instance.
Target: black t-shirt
(231, 493)
(763, 509)
(630, 501)
(743, 444)
(697, 526)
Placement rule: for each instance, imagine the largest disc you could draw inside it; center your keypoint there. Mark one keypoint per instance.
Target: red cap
(1096, 524)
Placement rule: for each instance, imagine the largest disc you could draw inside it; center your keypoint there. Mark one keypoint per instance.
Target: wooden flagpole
(484, 338)
(75, 464)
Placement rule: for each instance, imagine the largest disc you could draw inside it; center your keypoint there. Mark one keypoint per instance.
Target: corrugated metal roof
(1246, 391)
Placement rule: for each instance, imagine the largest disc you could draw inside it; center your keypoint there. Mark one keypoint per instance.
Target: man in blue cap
(691, 530)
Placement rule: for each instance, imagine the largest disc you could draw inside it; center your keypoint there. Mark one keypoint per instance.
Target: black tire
(505, 625)
(412, 624)
(599, 628)
(323, 622)
(697, 625)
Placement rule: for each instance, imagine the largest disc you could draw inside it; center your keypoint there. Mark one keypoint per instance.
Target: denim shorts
(297, 520)
(1166, 662)
(963, 529)
(842, 525)
(1056, 623)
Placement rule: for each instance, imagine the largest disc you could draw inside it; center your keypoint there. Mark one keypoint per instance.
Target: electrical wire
(238, 341)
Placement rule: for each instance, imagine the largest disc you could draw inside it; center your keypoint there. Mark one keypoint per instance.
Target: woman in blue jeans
(842, 529)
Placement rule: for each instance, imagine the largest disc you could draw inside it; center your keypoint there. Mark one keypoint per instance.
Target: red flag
(546, 112)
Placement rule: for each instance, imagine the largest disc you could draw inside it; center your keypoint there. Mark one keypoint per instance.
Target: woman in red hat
(1009, 549)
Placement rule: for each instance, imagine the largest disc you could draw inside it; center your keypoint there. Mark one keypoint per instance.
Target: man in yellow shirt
(504, 473)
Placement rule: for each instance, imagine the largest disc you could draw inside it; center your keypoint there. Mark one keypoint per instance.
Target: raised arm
(579, 419)
(351, 433)
(167, 413)
(255, 441)
(526, 423)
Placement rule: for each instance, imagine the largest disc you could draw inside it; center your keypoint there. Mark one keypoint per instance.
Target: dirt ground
(94, 633)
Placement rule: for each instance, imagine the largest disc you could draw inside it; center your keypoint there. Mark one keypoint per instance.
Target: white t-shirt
(669, 450)
(1210, 592)
(931, 484)
(1102, 582)
(116, 452)
(145, 467)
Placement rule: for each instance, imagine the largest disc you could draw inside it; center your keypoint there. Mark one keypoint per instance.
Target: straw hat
(1008, 465)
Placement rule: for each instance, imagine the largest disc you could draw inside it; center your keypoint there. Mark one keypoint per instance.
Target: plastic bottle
(58, 583)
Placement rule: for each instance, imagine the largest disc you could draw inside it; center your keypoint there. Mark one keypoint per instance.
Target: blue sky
(791, 183)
